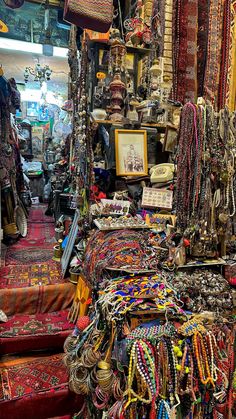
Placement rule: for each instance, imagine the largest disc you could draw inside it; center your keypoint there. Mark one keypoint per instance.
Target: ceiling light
(41, 74)
(15, 45)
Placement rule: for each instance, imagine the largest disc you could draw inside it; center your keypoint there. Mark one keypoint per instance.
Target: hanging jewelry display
(82, 133)
(205, 199)
(73, 86)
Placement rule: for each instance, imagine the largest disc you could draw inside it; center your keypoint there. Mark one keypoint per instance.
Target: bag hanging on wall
(89, 14)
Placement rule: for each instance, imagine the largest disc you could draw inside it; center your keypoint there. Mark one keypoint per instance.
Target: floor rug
(26, 378)
(29, 255)
(34, 332)
(42, 405)
(38, 235)
(37, 325)
(37, 215)
(19, 276)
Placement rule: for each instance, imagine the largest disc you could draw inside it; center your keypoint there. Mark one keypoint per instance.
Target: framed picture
(170, 139)
(37, 142)
(43, 114)
(157, 198)
(129, 61)
(32, 109)
(131, 152)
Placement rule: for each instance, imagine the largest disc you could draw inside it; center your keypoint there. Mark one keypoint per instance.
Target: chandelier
(40, 74)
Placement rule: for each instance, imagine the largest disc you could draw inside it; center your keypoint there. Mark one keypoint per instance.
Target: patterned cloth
(37, 215)
(203, 15)
(19, 276)
(231, 80)
(225, 57)
(212, 74)
(30, 377)
(185, 24)
(28, 255)
(36, 299)
(36, 325)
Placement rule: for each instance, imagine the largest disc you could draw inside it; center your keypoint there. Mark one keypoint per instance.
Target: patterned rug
(30, 281)
(36, 325)
(38, 235)
(28, 378)
(28, 255)
(19, 276)
(36, 299)
(37, 215)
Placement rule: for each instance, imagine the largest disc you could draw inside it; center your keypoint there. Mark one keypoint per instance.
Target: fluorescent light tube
(15, 45)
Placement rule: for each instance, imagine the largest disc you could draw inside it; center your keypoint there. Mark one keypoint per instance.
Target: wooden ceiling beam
(52, 3)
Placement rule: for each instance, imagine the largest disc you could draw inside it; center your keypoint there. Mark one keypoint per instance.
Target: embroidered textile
(185, 50)
(29, 255)
(225, 63)
(203, 13)
(212, 74)
(19, 276)
(231, 79)
(28, 378)
(36, 325)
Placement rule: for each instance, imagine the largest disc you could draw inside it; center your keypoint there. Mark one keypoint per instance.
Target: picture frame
(32, 109)
(170, 139)
(38, 142)
(130, 58)
(131, 152)
(157, 198)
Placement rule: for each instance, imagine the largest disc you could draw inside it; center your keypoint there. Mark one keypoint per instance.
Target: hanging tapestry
(231, 80)
(185, 14)
(212, 74)
(203, 23)
(225, 63)
(167, 47)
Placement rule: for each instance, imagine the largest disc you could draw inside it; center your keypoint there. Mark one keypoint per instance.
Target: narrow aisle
(30, 281)
(36, 300)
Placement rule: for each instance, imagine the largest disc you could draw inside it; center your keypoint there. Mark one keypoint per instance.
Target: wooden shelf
(200, 264)
(105, 45)
(108, 122)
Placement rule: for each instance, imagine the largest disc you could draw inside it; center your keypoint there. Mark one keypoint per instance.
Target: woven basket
(89, 14)
(21, 221)
(10, 229)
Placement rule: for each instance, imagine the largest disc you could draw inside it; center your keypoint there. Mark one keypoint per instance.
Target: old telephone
(162, 173)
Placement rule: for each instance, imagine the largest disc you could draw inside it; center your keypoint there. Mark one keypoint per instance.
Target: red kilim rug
(28, 378)
(25, 332)
(36, 325)
(20, 276)
(38, 235)
(37, 215)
